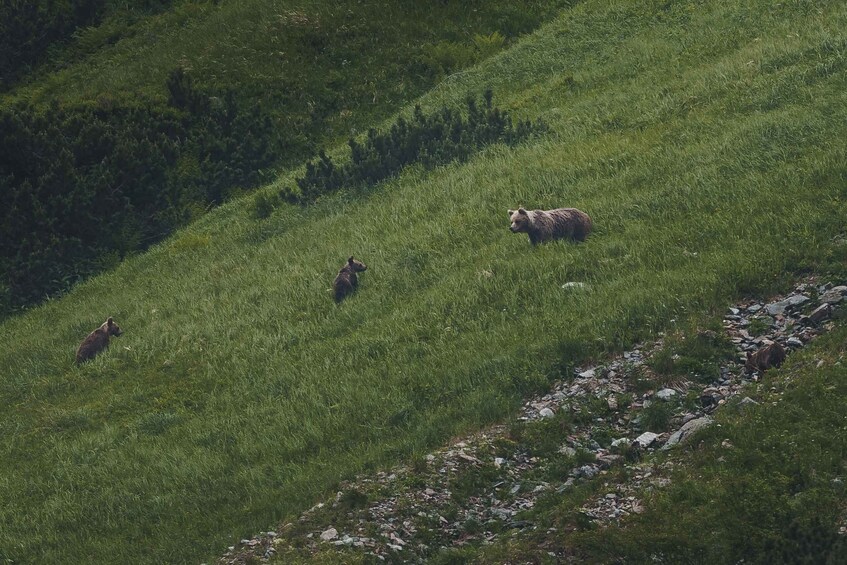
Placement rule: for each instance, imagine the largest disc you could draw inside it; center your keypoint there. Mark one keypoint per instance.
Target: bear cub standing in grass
(97, 341)
(347, 281)
(544, 225)
(770, 355)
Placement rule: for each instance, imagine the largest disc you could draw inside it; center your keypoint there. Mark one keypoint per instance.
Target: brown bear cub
(97, 341)
(544, 225)
(347, 281)
(770, 355)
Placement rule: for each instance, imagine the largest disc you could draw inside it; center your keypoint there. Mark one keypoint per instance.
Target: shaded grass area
(156, 112)
(240, 393)
(765, 485)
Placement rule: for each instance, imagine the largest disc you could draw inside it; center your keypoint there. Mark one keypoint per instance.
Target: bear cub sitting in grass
(97, 341)
(347, 280)
(544, 225)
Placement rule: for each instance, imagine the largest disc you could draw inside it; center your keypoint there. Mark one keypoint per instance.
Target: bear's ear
(521, 211)
(110, 321)
(511, 212)
(350, 260)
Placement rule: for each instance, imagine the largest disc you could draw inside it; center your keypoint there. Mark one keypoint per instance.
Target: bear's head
(112, 327)
(520, 220)
(356, 266)
(750, 363)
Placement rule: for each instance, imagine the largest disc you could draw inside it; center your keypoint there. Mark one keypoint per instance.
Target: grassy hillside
(137, 119)
(703, 139)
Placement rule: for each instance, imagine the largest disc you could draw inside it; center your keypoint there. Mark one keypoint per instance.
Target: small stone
(753, 308)
(747, 402)
(498, 462)
(620, 441)
(588, 374)
(646, 439)
(665, 393)
(567, 451)
(587, 471)
(607, 461)
(574, 285)
(329, 534)
(546, 413)
(821, 313)
(777, 308)
(682, 434)
(834, 295)
(794, 342)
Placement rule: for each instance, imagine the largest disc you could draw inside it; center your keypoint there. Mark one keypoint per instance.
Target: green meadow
(706, 140)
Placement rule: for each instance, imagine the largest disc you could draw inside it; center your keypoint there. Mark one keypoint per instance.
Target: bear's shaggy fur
(347, 281)
(544, 225)
(770, 355)
(97, 341)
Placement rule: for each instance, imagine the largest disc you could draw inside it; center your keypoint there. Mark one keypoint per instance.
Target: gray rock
(776, 308)
(746, 402)
(329, 534)
(502, 513)
(646, 439)
(821, 313)
(620, 441)
(794, 342)
(574, 285)
(685, 432)
(607, 461)
(834, 295)
(567, 451)
(546, 413)
(586, 471)
(753, 308)
(587, 374)
(665, 393)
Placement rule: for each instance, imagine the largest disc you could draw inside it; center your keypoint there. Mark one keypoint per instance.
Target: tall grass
(240, 392)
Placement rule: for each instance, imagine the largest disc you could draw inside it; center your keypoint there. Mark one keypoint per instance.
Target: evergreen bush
(83, 186)
(432, 140)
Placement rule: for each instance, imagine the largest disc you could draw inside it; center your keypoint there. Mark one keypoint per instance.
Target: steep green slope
(703, 139)
(142, 121)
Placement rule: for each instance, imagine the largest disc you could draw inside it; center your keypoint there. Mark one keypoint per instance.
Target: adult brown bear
(544, 225)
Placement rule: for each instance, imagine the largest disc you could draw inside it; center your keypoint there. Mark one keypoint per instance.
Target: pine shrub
(429, 139)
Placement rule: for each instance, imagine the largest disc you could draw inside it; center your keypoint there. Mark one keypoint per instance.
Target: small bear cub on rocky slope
(544, 225)
(347, 281)
(97, 341)
(770, 355)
